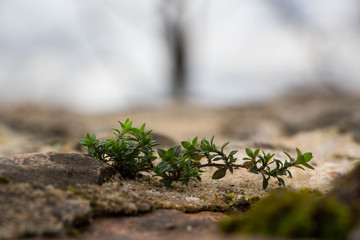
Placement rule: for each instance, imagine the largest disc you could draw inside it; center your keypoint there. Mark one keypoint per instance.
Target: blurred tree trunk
(176, 38)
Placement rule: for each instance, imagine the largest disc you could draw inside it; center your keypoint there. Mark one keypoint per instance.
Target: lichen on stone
(112, 199)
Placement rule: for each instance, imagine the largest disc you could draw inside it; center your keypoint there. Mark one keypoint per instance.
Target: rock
(163, 140)
(290, 115)
(28, 210)
(42, 121)
(112, 199)
(160, 224)
(58, 169)
(347, 191)
(352, 125)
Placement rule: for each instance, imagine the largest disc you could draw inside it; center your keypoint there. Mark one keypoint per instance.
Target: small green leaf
(177, 150)
(212, 140)
(308, 156)
(231, 169)
(288, 155)
(249, 153)
(300, 159)
(161, 152)
(233, 152)
(142, 128)
(220, 173)
(299, 167)
(256, 152)
(254, 169)
(281, 181)
(298, 151)
(308, 165)
(186, 144)
(223, 146)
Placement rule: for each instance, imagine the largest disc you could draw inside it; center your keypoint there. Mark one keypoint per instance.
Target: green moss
(293, 214)
(75, 190)
(229, 198)
(253, 200)
(4, 180)
(73, 232)
(311, 191)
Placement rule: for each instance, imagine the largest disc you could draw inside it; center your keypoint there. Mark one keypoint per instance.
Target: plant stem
(221, 165)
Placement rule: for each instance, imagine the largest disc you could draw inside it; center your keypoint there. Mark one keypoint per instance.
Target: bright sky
(103, 55)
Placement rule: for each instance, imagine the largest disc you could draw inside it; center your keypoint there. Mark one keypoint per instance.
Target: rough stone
(347, 190)
(58, 169)
(160, 224)
(28, 210)
(112, 199)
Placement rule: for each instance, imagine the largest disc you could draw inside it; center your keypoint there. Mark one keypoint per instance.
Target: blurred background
(105, 56)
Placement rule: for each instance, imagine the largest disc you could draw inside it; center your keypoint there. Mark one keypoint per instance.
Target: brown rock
(58, 169)
(28, 210)
(347, 190)
(160, 224)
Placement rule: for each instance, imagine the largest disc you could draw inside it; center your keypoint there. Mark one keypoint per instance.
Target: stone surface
(34, 209)
(160, 224)
(58, 169)
(293, 114)
(28, 210)
(112, 199)
(347, 191)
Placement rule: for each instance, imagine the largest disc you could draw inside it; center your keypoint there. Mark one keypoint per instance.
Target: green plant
(293, 214)
(186, 167)
(176, 167)
(132, 151)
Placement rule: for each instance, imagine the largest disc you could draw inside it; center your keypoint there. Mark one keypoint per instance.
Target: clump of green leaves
(285, 213)
(176, 167)
(131, 151)
(264, 164)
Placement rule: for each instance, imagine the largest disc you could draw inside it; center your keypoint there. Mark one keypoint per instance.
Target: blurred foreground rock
(347, 190)
(30, 210)
(160, 224)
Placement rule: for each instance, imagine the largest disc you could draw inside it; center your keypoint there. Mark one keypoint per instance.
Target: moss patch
(293, 214)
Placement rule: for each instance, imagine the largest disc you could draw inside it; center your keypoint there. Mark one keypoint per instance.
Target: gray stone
(28, 210)
(58, 169)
